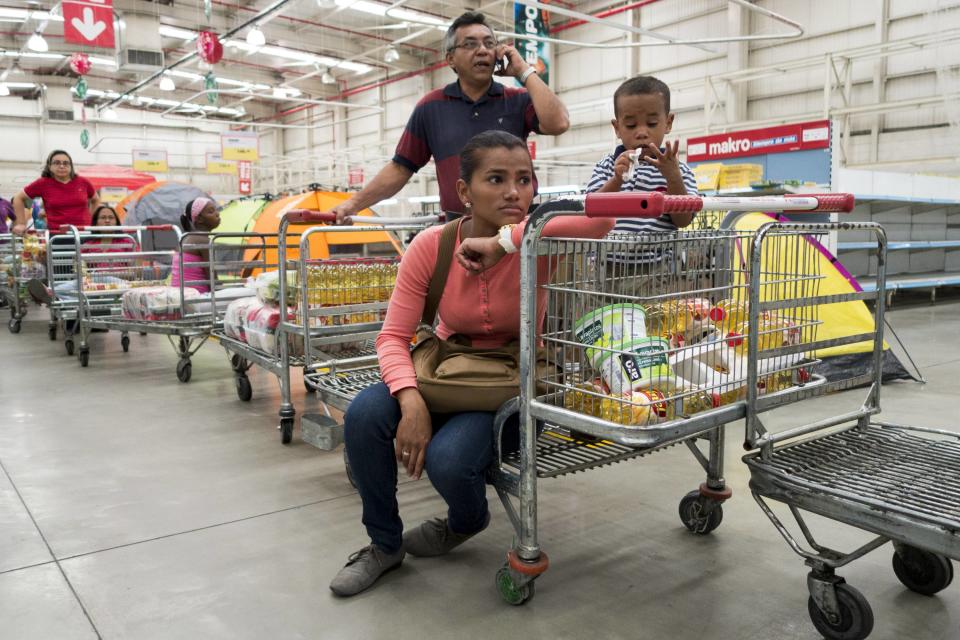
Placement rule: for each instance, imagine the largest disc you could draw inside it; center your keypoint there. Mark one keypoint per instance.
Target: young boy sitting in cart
(642, 162)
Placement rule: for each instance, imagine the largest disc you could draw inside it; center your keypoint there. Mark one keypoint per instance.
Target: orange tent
(269, 222)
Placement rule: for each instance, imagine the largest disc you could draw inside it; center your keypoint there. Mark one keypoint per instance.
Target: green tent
(238, 216)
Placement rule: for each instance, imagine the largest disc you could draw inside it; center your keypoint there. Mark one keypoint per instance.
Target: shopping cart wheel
(346, 466)
(855, 621)
(286, 430)
(68, 344)
(125, 343)
(922, 571)
(699, 514)
(511, 592)
(184, 370)
(14, 325)
(52, 332)
(306, 385)
(244, 388)
(84, 356)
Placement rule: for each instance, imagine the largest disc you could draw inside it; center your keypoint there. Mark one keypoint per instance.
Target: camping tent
(158, 203)
(238, 215)
(837, 320)
(269, 222)
(106, 175)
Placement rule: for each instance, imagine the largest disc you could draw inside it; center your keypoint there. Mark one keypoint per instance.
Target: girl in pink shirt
(389, 423)
(201, 214)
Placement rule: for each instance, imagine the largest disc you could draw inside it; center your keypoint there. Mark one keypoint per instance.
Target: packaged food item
(633, 365)
(260, 324)
(267, 286)
(234, 316)
(154, 303)
(730, 313)
(680, 321)
(638, 408)
(613, 324)
(586, 397)
(774, 332)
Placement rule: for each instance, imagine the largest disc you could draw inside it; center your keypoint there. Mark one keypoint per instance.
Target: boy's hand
(623, 166)
(666, 161)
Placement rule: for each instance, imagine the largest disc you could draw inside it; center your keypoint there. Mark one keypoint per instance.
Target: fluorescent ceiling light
(378, 9)
(300, 56)
(185, 74)
(166, 84)
(20, 85)
(4, 90)
(255, 37)
(33, 54)
(37, 43)
(103, 62)
(176, 32)
(423, 199)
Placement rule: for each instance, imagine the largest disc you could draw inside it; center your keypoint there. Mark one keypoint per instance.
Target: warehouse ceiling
(311, 49)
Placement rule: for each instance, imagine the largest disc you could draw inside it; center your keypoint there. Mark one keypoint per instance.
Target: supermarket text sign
(754, 142)
(154, 160)
(240, 146)
(216, 165)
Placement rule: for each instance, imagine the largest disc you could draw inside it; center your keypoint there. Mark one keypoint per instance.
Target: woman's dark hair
(472, 152)
(46, 173)
(96, 214)
(186, 220)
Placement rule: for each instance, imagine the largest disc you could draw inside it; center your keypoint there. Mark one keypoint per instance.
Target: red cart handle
(296, 216)
(634, 204)
(624, 204)
(829, 202)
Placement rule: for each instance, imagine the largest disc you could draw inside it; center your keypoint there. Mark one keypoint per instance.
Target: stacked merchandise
(32, 263)
(651, 364)
(155, 303)
(255, 319)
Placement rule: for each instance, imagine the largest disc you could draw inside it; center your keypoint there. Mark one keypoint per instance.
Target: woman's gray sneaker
(363, 568)
(436, 538)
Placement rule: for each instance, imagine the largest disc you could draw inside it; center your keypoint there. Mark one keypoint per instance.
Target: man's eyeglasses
(472, 45)
(60, 163)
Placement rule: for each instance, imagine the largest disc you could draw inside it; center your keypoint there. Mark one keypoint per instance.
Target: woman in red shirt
(67, 197)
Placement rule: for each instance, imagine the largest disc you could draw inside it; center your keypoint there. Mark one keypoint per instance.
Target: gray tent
(159, 203)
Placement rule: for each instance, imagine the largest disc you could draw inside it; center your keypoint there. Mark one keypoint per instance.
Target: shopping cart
(114, 263)
(21, 260)
(335, 308)
(898, 482)
(63, 279)
(343, 303)
(642, 348)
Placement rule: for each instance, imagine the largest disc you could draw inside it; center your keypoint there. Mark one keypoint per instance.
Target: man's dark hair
(641, 86)
(467, 19)
(472, 152)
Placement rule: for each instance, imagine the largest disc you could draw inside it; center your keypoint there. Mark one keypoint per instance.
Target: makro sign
(753, 142)
(535, 22)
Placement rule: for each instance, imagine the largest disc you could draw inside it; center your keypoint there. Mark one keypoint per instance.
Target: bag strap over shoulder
(448, 238)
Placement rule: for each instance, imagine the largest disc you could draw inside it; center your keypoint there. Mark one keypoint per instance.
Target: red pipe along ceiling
(437, 65)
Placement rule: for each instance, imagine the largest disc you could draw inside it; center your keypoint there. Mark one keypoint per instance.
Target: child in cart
(389, 423)
(201, 214)
(643, 162)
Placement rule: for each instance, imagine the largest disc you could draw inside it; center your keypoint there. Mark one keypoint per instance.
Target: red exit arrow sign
(89, 22)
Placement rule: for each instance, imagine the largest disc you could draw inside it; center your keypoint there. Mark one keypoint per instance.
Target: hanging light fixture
(108, 114)
(16, 69)
(166, 84)
(255, 37)
(391, 54)
(4, 90)
(37, 43)
(327, 78)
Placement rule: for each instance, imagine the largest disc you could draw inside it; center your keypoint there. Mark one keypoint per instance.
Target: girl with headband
(202, 215)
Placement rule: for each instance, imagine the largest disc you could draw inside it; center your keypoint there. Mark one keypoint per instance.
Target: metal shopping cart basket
(123, 288)
(22, 258)
(63, 279)
(642, 348)
(340, 302)
(898, 482)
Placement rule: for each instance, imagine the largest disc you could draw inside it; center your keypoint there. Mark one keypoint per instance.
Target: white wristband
(526, 74)
(505, 238)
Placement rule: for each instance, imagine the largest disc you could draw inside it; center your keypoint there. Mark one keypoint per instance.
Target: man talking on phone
(445, 119)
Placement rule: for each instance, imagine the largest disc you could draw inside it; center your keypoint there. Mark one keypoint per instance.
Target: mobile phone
(499, 66)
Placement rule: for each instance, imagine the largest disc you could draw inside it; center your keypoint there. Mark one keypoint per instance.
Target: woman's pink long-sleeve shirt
(484, 307)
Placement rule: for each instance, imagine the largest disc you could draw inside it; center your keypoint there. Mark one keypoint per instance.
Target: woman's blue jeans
(456, 463)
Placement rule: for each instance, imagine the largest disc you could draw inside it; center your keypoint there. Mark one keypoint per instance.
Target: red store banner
(754, 142)
(245, 177)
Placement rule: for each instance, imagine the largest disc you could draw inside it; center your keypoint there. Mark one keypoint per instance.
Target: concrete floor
(134, 506)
